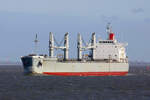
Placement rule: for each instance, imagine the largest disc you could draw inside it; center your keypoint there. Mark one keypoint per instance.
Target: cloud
(137, 10)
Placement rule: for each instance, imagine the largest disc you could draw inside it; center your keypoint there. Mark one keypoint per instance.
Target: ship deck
(90, 61)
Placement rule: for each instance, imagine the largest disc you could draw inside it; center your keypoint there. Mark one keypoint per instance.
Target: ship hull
(86, 73)
(85, 69)
(75, 68)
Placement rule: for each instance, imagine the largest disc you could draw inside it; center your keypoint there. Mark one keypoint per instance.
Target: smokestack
(111, 36)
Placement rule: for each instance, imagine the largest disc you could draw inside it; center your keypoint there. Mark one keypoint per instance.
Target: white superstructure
(110, 49)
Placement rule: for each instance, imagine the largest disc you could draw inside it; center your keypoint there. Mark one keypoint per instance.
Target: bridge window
(105, 41)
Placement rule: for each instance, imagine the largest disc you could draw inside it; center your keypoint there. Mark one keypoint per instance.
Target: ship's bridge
(110, 49)
(107, 41)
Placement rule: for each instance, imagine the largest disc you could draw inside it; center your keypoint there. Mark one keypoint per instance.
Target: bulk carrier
(105, 58)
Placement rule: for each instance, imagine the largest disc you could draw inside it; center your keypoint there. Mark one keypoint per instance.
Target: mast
(79, 46)
(93, 44)
(108, 28)
(51, 45)
(111, 35)
(66, 46)
(36, 42)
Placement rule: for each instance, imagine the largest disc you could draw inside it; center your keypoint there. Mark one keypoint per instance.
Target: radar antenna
(109, 28)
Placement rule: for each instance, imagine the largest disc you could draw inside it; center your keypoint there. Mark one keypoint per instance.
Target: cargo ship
(105, 58)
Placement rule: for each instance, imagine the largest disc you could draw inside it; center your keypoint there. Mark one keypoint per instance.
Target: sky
(20, 20)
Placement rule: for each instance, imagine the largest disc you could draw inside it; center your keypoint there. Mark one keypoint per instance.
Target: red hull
(86, 73)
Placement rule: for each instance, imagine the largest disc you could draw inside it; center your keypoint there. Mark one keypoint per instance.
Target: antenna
(109, 28)
(36, 42)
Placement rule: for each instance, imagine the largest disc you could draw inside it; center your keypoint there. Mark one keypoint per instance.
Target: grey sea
(14, 85)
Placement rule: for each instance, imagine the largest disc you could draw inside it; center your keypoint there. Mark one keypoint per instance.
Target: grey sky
(21, 19)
